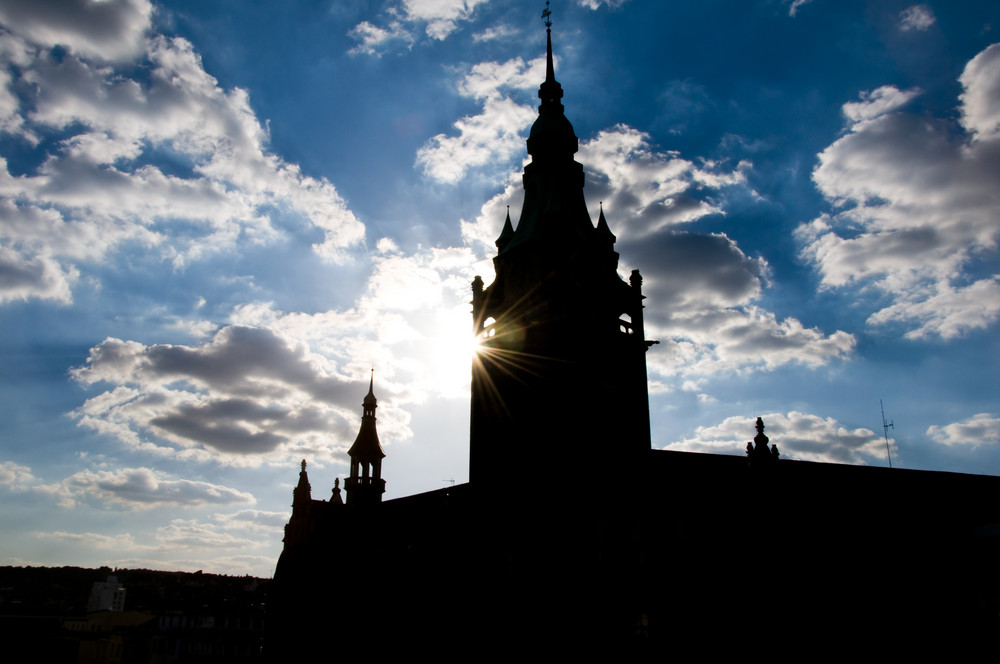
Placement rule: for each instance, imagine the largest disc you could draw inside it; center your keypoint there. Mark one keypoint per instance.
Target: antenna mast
(885, 430)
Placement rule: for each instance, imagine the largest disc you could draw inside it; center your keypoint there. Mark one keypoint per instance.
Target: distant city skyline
(217, 218)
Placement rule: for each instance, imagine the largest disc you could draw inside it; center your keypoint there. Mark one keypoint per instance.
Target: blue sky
(216, 218)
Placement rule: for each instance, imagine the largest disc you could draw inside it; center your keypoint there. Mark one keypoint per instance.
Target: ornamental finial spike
(547, 14)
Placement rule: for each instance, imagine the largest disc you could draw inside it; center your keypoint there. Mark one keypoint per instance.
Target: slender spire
(550, 91)
(550, 72)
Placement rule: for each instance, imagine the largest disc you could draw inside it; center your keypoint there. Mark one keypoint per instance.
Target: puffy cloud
(647, 189)
(141, 489)
(981, 94)
(493, 136)
(916, 17)
(980, 429)
(438, 18)
(104, 130)
(103, 29)
(915, 207)
(801, 436)
(246, 394)
(15, 475)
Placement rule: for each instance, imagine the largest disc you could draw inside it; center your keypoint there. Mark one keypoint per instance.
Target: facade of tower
(559, 380)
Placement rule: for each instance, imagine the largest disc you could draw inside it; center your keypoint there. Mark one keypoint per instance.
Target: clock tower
(559, 395)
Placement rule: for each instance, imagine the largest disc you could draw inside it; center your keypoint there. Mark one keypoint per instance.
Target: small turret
(365, 485)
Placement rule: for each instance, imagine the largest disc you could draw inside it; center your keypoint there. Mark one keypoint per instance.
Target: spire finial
(371, 383)
(303, 465)
(550, 71)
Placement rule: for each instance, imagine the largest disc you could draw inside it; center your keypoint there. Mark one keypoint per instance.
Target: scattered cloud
(437, 18)
(147, 154)
(980, 429)
(793, 5)
(800, 436)
(373, 40)
(915, 207)
(495, 33)
(916, 17)
(597, 4)
(141, 489)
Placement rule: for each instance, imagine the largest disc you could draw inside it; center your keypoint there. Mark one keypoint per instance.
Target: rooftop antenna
(885, 430)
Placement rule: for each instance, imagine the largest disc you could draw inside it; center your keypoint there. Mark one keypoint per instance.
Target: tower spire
(550, 91)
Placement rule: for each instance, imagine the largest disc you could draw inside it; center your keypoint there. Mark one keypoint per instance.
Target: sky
(217, 218)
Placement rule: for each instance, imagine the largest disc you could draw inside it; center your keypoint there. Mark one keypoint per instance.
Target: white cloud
(981, 95)
(141, 489)
(495, 33)
(438, 18)
(915, 207)
(800, 436)
(495, 135)
(980, 429)
(916, 17)
(596, 4)
(15, 475)
(373, 40)
(98, 191)
(490, 137)
(646, 189)
(794, 5)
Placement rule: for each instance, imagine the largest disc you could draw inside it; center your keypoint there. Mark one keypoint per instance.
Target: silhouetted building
(107, 596)
(573, 534)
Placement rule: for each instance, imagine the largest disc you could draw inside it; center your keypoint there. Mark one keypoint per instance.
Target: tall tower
(559, 393)
(365, 486)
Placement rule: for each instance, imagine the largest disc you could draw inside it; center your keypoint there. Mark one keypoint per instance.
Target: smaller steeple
(506, 234)
(365, 485)
(302, 494)
(603, 231)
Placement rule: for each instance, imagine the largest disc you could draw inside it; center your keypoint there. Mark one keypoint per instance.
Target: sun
(452, 349)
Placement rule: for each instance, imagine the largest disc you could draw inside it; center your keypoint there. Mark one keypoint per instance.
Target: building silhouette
(573, 534)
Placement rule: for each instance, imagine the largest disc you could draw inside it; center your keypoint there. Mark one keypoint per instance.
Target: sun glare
(453, 349)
